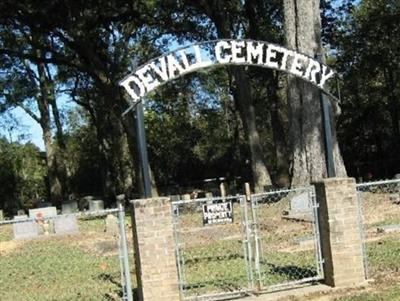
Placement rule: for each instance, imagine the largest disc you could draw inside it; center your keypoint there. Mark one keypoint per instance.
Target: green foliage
(365, 36)
(22, 173)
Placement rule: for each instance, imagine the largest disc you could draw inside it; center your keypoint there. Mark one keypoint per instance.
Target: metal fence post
(257, 247)
(247, 242)
(124, 250)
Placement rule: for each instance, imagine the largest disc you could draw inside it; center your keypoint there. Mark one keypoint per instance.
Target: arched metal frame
(187, 59)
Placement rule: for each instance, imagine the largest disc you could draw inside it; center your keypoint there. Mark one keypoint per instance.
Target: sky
(28, 129)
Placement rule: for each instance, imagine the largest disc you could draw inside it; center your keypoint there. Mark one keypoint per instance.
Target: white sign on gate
(219, 213)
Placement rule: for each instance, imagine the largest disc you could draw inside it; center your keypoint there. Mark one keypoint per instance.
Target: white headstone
(20, 217)
(300, 203)
(96, 205)
(67, 224)
(1, 215)
(70, 207)
(43, 212)
(209, 195)
(112, 226)
(25, 230)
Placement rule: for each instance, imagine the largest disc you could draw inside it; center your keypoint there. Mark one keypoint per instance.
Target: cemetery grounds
(85, 266)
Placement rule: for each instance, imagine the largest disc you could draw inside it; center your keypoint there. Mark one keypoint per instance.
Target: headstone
(20, 217)
(66, 224)
(186, 197)
(112, 226)
(300, 203)
(397, 176)
(209, 195)
(43, 212)
(388, 229)
(70, 207)
(300, 208)
(1, 215)
(175, 198)
(25, 230)
(96, 205)
(21, 212)
(84, 202)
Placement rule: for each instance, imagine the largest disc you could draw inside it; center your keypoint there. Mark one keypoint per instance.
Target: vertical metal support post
(327, 127)
(257, 243)
(124, 251)
(317, 233)
(247, 242)
(143, 155)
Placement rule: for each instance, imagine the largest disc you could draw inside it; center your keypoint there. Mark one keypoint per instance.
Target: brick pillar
(153, 239)
(340, 231)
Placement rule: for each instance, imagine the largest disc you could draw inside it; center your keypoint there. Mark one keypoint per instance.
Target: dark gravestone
(25, 230)
(65, 225)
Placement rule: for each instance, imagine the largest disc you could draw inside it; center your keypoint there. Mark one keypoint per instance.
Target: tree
(303, 34)
(22, 174)
(367, 56)
(29, 84)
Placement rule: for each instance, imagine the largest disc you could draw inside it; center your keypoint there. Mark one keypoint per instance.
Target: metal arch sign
(174, 64)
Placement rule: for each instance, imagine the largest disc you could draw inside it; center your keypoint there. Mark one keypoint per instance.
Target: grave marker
(43, 212)
(25, 230)
(300, 203)
(96, 205)
(65, 225)
(70, 207)
(112, 226)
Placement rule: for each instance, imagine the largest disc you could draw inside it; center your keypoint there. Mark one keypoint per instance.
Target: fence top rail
(381, 182)
(78, 215)
(200, 200)
(279, 191)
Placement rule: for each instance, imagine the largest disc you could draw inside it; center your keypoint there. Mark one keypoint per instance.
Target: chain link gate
(286, 238)
(213, 248)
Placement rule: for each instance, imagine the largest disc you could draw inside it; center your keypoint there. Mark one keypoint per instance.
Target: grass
(86, 266)
(77, 267)
(389, 294)
(53, 270)
(384, 256)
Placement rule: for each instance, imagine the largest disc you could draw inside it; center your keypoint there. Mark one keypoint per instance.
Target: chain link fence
(212, 244)
(286, 240)
(65, 257)
(380, 220)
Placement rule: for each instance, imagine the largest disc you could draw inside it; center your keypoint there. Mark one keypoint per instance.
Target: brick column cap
(333, 180)
(150, 202)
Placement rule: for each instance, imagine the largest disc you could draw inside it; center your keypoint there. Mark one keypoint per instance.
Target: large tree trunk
(308, 164)
(244, 102)
(53, 165)
(279, 134)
